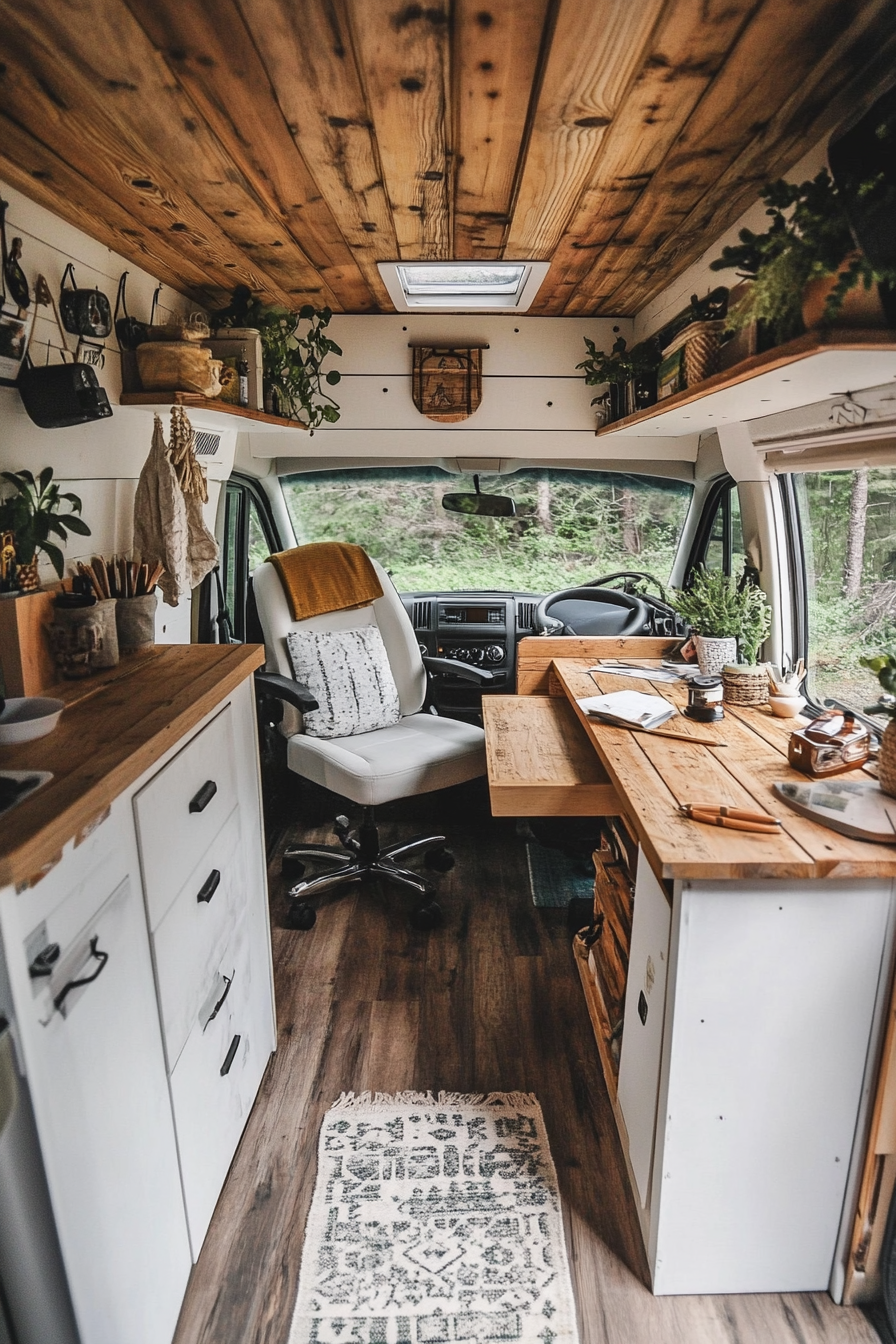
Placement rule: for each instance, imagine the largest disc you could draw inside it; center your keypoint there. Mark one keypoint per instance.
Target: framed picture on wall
(15, 330)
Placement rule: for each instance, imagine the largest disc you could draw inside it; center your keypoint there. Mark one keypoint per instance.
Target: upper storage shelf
(816, 366)
(218, 413)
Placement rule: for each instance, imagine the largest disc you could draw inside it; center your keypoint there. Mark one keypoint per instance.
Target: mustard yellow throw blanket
(326, 576)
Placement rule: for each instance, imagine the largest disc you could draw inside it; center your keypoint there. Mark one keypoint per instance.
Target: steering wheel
(594, 610)
(623, 574)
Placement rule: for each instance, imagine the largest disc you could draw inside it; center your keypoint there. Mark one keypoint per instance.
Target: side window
(724, 538)
(249, 537)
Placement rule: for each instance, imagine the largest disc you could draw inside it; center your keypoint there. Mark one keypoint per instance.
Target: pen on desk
(731, 818)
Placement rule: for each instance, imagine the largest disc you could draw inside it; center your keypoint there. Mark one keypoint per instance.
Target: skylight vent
(463, 286)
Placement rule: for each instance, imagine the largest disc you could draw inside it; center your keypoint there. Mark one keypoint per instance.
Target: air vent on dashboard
(525, 615)
(422, 615)
(206, 444)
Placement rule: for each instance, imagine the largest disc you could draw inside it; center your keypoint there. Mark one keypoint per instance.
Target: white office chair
(418, 754)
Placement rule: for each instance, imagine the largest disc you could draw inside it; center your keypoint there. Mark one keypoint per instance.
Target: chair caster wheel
(440, 860)
(427, 916)
(300, 915)
(292, 869)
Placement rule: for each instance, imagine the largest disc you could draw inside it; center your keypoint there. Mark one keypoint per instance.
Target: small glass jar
(705, 699)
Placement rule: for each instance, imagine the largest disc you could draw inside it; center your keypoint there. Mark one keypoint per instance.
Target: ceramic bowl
(786, 706)
(29, 717)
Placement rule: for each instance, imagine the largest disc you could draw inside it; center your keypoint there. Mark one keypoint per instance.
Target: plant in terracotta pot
(33, 513)
(723, 613)
(884, 668)
(805, 269)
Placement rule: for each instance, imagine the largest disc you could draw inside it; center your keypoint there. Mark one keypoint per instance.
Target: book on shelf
(628, 709)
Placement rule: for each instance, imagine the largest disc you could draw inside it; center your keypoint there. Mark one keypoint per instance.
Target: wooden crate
(25, 658)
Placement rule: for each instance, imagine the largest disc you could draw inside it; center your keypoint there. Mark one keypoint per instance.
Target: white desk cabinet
(139, 1095)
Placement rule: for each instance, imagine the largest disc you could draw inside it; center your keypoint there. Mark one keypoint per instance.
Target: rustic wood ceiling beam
(854, 69)
(686, 52)
(498, 51)
(734, 114)
(151, 107)
(211, 53)
(596, 52)
(45, 177)
(62, 110)
(309, 58)
(405, 57)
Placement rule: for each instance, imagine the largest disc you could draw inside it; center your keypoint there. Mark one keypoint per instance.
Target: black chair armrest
(466, 671)
(284, 688)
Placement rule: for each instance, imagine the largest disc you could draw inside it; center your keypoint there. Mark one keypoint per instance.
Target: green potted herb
(34, 513)
(884, 668)
(293, 354)
(724, 615)
(615, 369)
(807, 256)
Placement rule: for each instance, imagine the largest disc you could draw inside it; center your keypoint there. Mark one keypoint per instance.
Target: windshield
(570, 526)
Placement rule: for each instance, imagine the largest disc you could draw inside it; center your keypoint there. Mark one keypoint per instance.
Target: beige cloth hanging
(168, 524)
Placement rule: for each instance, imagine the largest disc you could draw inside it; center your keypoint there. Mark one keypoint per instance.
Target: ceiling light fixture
(462, 286)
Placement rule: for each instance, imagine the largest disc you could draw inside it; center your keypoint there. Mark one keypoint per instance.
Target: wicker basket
(886, 761)
(701, 342)
(745, 685)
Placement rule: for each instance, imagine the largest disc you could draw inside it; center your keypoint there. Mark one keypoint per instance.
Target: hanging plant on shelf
(809, 239)
(294, 346)
(618, 367)
(32, 514)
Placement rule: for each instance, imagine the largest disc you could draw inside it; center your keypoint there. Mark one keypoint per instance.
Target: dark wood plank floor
(489, 1002)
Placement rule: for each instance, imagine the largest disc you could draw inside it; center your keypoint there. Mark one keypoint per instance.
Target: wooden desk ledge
(652, 775)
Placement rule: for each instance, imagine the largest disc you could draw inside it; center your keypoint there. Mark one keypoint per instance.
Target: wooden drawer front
(190, 944)
(211, 1107)
(181, 810)
(613, 900)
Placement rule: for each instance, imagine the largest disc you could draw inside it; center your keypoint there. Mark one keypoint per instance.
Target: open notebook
(628, 709)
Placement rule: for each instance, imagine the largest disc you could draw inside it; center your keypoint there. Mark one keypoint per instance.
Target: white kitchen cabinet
(139, 1101)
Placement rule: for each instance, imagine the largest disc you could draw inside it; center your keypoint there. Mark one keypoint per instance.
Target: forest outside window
(848, 525)
(569, 527)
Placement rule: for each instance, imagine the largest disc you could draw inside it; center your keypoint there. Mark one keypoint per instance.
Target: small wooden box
(25, 657)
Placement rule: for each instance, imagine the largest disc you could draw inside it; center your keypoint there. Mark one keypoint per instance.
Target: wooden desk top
(653, 775)
(115, 726)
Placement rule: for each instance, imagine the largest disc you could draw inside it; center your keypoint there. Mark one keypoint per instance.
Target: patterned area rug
(434, 1221)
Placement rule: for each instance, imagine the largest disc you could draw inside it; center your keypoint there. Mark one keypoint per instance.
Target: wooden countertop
(652, 775)
(115, 726)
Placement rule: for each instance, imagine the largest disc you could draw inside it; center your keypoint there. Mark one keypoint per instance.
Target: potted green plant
(884, 668)
(807, 256)
(724, 615)
(292, 355)
(617, 368)
(34, 513)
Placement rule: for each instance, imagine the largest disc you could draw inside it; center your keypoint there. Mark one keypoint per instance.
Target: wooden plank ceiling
(290, 145)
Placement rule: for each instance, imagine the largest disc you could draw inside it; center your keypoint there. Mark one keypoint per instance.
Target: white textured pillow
(348, 673)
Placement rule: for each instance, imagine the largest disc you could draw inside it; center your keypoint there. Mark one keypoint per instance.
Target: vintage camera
(59, 395)
(831, 744)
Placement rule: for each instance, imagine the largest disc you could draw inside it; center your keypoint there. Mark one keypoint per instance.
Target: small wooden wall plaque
(447, 381)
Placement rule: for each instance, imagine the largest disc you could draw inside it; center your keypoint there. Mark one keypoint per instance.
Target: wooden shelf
(211, 408)
(816, 366)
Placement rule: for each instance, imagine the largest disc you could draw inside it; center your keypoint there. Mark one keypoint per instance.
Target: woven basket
(886, 761)
(701, 342)
(745, 686)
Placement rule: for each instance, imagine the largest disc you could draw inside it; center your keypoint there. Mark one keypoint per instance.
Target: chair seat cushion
(418, 754)
(348, 673)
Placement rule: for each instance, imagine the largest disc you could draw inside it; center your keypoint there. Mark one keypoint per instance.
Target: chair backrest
(387, 612)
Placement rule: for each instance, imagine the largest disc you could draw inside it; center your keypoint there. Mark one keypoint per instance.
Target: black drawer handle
(200, 801)
(209, 886)
(228, 981)
(101, 957)
(234, 1046)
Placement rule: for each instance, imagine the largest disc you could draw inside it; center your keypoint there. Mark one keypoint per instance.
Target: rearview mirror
(480, 505)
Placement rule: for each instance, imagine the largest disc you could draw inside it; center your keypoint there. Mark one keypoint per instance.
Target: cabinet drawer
(181, 810)
(218, 1073)
(190, 944)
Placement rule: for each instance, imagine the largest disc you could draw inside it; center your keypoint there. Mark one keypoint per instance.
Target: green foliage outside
(843, 630)
(571, 526)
